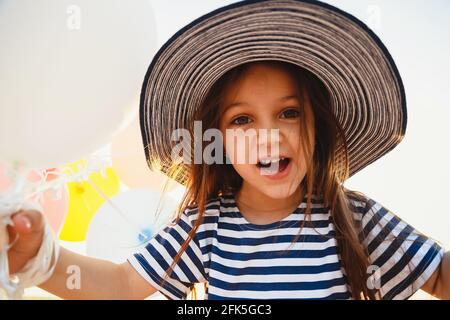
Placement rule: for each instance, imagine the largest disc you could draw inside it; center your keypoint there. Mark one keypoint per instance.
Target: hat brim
(365, 86)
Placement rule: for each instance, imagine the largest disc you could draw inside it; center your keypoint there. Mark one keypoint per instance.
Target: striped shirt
(241, 260)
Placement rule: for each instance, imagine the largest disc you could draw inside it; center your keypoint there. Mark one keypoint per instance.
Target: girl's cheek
(245, 171)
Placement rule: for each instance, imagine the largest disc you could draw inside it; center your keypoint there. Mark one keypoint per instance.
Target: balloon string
(116, 208)
(37, 269)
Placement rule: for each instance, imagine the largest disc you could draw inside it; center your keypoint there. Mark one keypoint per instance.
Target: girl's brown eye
(240, 120)
(291, 113)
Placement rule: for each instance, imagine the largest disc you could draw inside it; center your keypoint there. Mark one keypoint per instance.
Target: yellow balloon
(85, 198)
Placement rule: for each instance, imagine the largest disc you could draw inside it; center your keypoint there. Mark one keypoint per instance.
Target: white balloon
(70, 71)
(114, 237)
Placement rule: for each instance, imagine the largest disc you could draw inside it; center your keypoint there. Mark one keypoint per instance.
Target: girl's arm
(81, 277)
(439, 283)
(75, 276)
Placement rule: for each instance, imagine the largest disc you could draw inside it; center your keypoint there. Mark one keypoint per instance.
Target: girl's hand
(26, 236)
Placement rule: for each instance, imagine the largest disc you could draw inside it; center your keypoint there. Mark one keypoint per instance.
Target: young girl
(283, 226)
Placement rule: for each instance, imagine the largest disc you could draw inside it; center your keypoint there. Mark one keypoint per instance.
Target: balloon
(54, 206)
(114, 236)
(54, 203)
(85, 198)
(69, 74)
(128, 159)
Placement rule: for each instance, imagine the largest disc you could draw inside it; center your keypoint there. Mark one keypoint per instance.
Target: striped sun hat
(366, 89)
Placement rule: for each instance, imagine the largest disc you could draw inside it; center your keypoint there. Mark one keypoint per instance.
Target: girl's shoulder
(215, 208)
(359, 202)
(371, 213)
(212, 210)
(212, 205)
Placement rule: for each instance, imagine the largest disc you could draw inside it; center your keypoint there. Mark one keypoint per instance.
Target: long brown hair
(326, 173)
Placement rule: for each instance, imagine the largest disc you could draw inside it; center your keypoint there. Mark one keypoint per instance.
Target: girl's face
(266, 97)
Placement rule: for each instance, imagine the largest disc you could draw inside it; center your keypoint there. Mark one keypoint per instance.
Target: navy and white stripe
(403, 258)
(241, 260)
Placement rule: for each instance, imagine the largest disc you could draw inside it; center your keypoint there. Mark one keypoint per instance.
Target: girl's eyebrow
(236, 104)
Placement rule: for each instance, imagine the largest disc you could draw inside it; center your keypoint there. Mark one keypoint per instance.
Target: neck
(259, 208)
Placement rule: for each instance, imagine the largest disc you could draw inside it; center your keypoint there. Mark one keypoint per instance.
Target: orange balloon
(128, 160)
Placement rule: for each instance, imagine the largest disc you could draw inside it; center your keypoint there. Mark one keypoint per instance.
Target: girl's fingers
(27, 222)
(29, 227)
(12, 233)
(25, 238)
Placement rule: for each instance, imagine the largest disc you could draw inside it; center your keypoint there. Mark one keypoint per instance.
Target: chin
(279, 192)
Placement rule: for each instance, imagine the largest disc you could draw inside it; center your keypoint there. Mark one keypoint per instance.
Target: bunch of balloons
(71, 75)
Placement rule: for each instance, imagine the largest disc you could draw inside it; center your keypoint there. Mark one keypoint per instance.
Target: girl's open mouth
(274, 168)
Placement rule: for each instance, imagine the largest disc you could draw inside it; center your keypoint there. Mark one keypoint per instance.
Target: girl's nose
(269, 140)
(272, 128)
(269, 145)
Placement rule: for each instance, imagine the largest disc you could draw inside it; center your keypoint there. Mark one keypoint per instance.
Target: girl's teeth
(266, 162)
